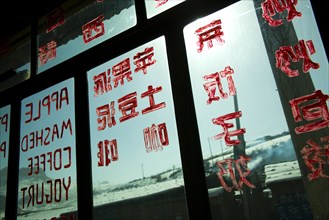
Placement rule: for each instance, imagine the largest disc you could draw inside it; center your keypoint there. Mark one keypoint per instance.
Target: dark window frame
(170, 24)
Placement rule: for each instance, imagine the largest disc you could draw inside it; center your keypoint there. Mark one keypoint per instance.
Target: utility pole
(240, 150)
(212, 159)
(289, 88)
(143, 171)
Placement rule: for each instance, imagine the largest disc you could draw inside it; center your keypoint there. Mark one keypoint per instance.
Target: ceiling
(21, 14)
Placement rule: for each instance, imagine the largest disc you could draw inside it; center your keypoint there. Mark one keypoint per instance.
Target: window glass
(155, 7)
(136, 162)
(63, 36)
(15, 59)
(47, 166)
(249, 128)
(4, 150)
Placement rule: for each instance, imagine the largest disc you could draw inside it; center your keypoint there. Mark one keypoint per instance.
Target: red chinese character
(325, 139)
(55, 19)
(155, 137)
(282, 60)
(241, 166)
(223, 171)
(315, 158)
(227, 134)
(96, 26)
(102, 83)
(243, 171)
(121, 71)
(105, 115)
(315, 111)
(105, 154)
(270, 7)
(150, 92)
(142, 60)
(160, 2)
(127, 106)
(211, 87)
(51, 52)
(302, 53)
(209, 32)
(47, 52)
(286, 52)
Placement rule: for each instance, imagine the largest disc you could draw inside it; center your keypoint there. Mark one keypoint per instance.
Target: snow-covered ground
(282, 171)
(275, 155)
(112, 195)
(263, 152)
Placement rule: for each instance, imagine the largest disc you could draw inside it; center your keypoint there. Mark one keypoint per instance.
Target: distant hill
(3, 176)
(263, 151)
(23, 175)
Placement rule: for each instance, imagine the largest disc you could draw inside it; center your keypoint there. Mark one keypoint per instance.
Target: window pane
(249, 154)
(47, 166)
(4, 150)
(15, 59)
(155, 7)
(135, 150)
(61, 37)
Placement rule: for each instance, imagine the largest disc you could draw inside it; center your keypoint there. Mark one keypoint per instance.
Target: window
(184, 110)
(247, 146)
(134, 142)
(62, 37)
(47, 165)
(4, 148)
(155, 7)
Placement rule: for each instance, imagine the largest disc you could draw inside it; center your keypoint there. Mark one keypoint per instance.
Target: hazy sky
(133, 158)
(152, 8)
(113, 26)
(258, 98)
(244, 52)
(56, 117)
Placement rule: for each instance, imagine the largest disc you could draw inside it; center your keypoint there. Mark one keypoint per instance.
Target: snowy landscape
(266, 151)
